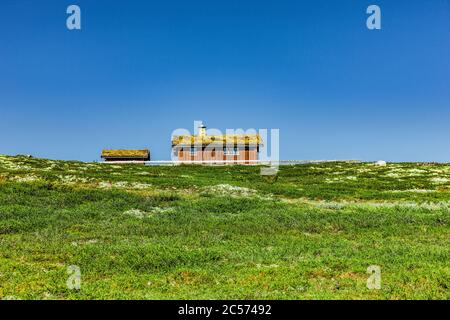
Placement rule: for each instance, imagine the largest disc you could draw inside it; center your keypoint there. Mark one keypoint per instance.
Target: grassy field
(192, 232)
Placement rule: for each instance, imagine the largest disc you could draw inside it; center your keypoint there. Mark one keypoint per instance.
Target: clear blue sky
(139, 69)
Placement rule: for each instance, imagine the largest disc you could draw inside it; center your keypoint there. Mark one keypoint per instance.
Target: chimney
(202, 130)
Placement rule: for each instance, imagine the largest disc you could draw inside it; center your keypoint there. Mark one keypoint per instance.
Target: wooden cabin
(217, 149)
(126, 156)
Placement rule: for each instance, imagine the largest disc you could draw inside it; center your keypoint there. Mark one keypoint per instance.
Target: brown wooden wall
(217, 155)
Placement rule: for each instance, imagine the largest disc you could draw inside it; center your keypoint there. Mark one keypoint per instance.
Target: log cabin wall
(212, 154)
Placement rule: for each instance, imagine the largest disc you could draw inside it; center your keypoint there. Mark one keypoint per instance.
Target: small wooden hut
(126, 156)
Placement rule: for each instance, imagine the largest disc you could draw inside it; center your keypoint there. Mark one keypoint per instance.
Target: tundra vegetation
(205, 232)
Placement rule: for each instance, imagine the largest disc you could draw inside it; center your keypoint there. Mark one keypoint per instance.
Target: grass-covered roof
(238, 139)
(121, 153)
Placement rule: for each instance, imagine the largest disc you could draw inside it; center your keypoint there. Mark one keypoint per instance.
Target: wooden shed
(126, 156)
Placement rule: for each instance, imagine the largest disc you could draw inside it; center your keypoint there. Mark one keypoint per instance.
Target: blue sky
(139, 69)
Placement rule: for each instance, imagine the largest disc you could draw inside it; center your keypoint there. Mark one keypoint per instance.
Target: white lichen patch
(26, 178)
(393, 175)
(413, 190)
(143, 173)
(267, 266)
(440, 180)
(338, 205)
(408, 205)
(137, 213)
(414, 172)
(139, 185)
(159, 210)
(14, 165)
(330, 205)
(72, 179)
(85, 242)
(140, 214)
(123, 185)
(50, 168)
(226, 189)
(340, 179)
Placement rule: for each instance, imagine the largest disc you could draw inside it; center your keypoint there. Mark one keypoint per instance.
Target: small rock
(380, 163)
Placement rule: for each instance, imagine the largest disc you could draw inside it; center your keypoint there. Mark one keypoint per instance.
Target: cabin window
(233, 151)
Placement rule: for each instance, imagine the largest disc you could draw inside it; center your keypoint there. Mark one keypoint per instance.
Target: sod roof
(126, 153)
(238, 139)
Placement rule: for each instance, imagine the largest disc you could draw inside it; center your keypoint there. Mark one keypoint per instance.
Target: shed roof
(121, 153)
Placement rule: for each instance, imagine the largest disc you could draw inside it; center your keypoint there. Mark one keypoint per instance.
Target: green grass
(193, 232)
